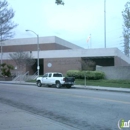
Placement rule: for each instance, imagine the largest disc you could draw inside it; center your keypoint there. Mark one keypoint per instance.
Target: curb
(18, 83)
(78, 87)
(98, 89)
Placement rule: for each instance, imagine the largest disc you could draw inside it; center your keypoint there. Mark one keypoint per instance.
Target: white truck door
(49, 78)
(44, 78)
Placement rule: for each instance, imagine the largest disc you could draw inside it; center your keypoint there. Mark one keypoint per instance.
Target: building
(60, 55)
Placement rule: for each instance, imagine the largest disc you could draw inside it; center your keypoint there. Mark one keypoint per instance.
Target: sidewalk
(12, 118)
(112, 89)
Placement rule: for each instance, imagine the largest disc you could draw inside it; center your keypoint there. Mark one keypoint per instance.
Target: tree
(59, 2)
(22, 59)
(126, 28)
(6, 23)
(88, 65)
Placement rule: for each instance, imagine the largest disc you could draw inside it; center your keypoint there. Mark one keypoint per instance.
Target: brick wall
(61, 64)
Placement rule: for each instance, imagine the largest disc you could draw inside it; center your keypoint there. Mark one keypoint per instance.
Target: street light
(38, 67)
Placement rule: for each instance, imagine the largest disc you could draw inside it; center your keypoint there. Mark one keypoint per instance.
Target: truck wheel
(68, 86)
(58, 85)
(39, 83)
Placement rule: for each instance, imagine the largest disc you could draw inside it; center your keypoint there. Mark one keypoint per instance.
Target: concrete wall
(116, 72)
(120, 62)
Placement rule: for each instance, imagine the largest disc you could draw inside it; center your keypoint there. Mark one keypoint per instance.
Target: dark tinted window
(57, 75)
(45, 75)
(50, 75)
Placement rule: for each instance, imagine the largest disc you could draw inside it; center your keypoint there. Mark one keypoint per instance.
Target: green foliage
(105, 83)
(126, 27)
(126, 15)
(73, 73)
(59, 2)
(88, 74)
(6, 69)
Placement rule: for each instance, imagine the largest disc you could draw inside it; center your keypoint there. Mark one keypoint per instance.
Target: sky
(73, 22)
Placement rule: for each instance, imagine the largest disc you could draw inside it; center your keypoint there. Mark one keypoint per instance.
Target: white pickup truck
(55, 78)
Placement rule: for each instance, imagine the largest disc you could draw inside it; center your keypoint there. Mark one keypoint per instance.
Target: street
(78, 108)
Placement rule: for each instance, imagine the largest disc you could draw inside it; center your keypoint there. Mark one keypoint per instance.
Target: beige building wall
(119, 62)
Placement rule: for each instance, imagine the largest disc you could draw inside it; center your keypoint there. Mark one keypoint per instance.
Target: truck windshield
(57, 75)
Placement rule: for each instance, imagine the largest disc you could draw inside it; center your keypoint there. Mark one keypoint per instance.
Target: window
(45, 75)
(50, 75)
(57, 75)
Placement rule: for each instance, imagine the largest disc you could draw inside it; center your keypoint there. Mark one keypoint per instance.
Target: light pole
(38, 67)
(1, 48)
(104, 23)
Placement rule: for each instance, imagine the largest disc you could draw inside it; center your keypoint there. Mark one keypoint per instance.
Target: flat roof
(71, 53)
(42, 40)
(99, 52)
(74, 51)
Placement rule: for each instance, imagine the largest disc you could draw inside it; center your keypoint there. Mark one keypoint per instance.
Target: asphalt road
(82, 109)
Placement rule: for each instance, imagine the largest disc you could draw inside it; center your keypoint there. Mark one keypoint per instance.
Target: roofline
(42, 40)
(75, 53)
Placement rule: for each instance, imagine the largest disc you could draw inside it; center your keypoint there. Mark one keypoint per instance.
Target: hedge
(89, 74)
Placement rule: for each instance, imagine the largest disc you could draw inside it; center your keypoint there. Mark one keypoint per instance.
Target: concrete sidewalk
(12, 118)
(112, 89)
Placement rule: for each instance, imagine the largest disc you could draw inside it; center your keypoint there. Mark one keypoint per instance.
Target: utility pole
(104, 23)
(1, 49)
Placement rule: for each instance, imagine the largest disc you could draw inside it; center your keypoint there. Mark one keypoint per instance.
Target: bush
(73, 73)
(6, 69)
(89, 74)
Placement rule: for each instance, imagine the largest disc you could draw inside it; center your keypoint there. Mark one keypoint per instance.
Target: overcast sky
(74, 21)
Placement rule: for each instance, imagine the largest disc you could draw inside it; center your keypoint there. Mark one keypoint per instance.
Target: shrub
(73, 73)
(6, 69)
(89, 74)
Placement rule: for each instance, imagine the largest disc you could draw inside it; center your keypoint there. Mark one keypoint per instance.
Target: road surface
(78, 108)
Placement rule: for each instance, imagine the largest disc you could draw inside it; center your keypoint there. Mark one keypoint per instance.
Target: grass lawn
(105, 83)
